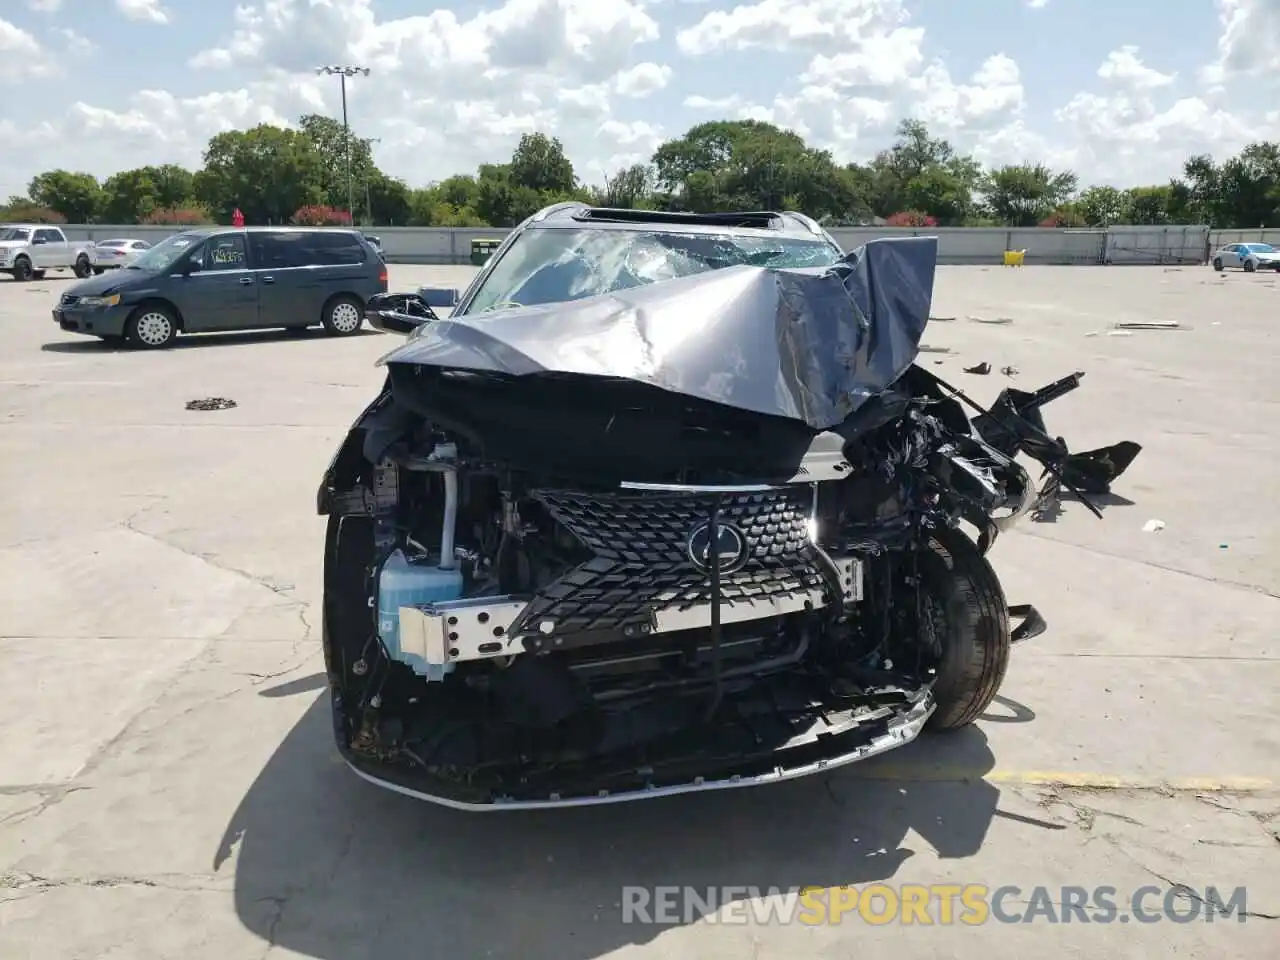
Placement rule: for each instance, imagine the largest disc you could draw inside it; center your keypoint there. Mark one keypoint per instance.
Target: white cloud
(1123, 66)
(21, 54)
(814, 26)
(642, 79)
(75, 44)
(1037, 4)
(1249, 46)
(449, 89)
(149, 10)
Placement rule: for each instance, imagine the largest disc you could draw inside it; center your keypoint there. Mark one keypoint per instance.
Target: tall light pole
(343, 71)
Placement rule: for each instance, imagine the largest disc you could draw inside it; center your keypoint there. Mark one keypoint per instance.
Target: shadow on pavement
(331, 867)
(199, 340)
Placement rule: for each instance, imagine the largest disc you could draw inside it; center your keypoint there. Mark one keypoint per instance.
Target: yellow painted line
(1070, 778)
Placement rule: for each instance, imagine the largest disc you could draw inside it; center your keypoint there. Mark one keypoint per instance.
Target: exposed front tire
(22, 269)
(342, 316)
(970, 618)
(151, 327)
(1217, 264)
(83, 267)
(1250, 266)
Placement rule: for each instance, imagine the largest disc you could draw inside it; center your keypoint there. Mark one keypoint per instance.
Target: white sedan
(110, 254)
(1249, 256)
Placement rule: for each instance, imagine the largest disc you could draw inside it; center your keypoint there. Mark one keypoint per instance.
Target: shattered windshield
(14, 233)
(555, 266)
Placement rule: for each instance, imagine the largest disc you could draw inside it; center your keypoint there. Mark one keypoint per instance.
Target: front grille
(641, 563)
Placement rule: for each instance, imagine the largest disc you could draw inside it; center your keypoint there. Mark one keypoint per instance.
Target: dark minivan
(230, 278)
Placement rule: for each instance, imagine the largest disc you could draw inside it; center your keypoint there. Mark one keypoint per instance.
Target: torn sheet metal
(810, 344)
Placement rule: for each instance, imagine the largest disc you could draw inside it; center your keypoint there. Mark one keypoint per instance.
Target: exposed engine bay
(553, 587)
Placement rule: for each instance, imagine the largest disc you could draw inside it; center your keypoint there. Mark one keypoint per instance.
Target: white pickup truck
(28, 250)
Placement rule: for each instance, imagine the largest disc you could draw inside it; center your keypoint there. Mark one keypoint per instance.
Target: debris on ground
(1151, 526)
(996, 320)
(981, 369)
(1147, 325)
(1119, 333)
(1092, 333)
(211, 403)
(1009, 371)
(941, 319)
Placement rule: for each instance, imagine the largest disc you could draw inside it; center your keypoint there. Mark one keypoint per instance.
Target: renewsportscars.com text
(931, 904)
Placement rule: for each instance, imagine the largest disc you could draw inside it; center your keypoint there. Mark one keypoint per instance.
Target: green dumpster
(482, 250)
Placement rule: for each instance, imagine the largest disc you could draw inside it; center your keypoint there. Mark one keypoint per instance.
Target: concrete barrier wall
(1219, 237)
(957, 245)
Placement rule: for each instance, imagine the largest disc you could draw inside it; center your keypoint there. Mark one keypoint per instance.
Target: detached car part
(681, 530)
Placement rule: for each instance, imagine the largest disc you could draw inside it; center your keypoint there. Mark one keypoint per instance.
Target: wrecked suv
(664, 506)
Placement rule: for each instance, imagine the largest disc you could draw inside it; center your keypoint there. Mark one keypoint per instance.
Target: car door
(1231, 256)
(285, 282)
(46, 251)
(221, 291)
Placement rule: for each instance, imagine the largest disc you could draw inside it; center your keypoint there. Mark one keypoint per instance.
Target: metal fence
(956, 245)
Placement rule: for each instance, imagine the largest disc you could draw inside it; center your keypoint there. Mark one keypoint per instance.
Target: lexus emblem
(731, 544)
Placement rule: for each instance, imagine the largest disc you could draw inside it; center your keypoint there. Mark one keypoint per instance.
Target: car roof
(210, 231)
(576, 215)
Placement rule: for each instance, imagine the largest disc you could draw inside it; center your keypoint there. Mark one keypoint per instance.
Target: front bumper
(840, 749)
(92, 321)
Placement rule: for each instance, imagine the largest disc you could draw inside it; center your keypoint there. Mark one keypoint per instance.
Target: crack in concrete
(34, 883)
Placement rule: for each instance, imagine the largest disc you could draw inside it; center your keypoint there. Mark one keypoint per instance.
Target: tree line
(300, 175)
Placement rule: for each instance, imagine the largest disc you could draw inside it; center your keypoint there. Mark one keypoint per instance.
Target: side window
(275, 251)
(47, 236)
(330, 248)
(224, 253)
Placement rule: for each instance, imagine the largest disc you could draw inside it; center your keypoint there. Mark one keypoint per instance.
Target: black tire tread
(976, 640)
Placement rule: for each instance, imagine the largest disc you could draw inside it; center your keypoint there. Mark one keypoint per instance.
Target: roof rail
(562, 207)
(758, 219)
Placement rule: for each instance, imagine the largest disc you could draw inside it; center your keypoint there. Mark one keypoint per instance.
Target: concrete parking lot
(168, 787)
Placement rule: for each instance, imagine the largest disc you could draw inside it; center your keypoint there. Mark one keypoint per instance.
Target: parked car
(113, 254)
(1249, 256)
(230, 278)
(29, 250)
(667, 506)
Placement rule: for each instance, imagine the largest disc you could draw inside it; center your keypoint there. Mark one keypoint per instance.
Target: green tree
(333, 145)
(173, 184)
(268, 172)
(387, 200)
(128, 196)
(539, 163)
(923, 172)
(1101, 206)
(1022, 195)
(77, 196)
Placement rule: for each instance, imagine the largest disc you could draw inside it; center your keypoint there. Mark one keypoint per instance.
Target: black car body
(667, 506)
(230, 278)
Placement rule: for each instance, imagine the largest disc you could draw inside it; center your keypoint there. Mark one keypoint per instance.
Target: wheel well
(179, 322)
(343, 295)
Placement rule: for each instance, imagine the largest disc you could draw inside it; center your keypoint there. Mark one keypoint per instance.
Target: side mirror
(36, 241)
(398, 312)
(188, 267)
(439, 296)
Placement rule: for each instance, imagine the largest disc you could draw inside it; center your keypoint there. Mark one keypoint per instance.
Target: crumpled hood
(808, 344)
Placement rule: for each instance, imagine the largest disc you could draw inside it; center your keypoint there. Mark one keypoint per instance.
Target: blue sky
(126, 82)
